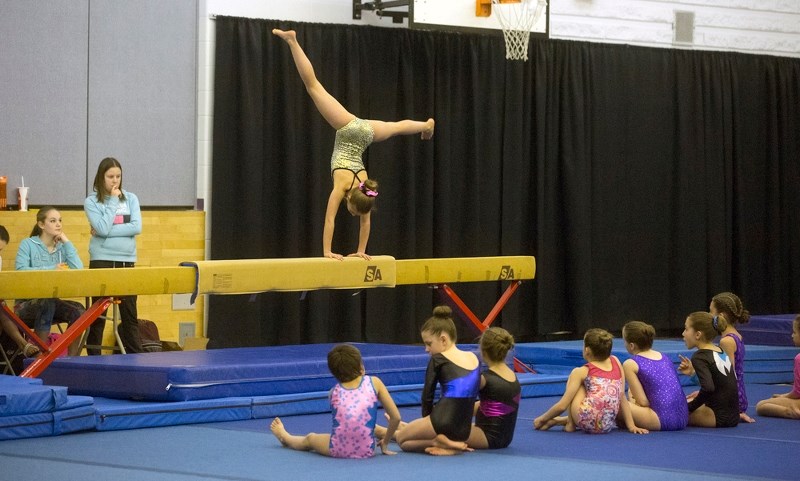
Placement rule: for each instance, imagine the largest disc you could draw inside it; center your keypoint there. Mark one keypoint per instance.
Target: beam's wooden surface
(299, 274)
(465, 269)
(260, 275)
(96, 282)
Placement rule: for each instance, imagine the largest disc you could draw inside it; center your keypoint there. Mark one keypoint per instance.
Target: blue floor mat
(245, 450)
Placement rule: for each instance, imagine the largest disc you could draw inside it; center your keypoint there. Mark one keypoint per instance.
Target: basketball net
(517, 19)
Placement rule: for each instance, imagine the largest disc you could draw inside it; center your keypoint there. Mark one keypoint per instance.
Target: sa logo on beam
(506, 273)
(373, 273)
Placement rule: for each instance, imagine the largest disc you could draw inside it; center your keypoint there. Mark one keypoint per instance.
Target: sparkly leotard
(351, 142)
(354, 414)
(497, 415)
(598, 411)
(796, 386)
(452, 415)
(738, 368)
(718, 388)
(663, 391)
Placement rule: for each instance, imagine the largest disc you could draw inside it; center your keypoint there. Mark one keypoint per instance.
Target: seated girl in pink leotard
(594, 395)
(354, 405)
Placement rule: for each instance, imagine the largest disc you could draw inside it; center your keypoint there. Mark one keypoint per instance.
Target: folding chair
(9, 354)
(115, 320)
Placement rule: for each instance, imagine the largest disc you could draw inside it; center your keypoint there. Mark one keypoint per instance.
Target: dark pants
(128, 328)
(41, 313)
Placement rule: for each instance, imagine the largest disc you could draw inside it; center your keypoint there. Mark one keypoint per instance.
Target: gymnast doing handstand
(353, 136)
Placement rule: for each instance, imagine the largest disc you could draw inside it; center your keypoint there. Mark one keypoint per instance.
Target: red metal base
(519, 366)
(73, 332)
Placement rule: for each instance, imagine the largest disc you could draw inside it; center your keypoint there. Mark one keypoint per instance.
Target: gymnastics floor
(134, 391)
(246, 450)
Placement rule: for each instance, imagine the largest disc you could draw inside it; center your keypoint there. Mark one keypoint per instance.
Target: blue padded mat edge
(763, 364)
(771, 330)
(212, 374)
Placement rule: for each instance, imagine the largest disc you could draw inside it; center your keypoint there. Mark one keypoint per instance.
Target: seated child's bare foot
(745, 418)
(435, 451)
(569, 426)
(427, 134)
(278, 430)
(442, 441)
(286, 35)
(793, 412)
(556, 421)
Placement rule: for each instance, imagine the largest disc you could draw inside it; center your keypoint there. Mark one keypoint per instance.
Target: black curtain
(643, 180)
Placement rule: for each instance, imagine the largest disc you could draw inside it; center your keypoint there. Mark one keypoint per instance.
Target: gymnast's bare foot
(745, 418)
(278, 430)
(435, 451)
(427, 134)
(443, 442)
(287, 35)
(569, 425)
(556, 421)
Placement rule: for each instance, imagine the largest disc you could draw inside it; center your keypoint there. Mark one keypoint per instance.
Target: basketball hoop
(517, 18)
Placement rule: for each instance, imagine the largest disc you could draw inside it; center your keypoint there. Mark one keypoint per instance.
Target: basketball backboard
(460, 15)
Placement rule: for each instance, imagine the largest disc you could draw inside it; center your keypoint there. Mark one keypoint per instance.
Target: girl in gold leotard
(353, 136)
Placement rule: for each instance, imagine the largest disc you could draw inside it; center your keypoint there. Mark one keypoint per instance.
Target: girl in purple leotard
(730, 306)
(656, 398)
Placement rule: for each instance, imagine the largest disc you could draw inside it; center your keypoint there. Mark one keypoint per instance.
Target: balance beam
(96, 282)
(465, 269)
(470, 269)
(102, 283)
(247, 276)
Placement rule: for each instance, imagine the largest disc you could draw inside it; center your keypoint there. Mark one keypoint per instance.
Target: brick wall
(168, 238)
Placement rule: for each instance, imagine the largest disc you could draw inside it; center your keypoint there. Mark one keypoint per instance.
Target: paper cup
(22, 198)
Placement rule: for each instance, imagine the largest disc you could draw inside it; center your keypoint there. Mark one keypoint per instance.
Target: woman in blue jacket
(116, 220)
(48, 248)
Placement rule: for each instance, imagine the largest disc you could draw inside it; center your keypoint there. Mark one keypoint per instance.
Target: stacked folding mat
(30, 409)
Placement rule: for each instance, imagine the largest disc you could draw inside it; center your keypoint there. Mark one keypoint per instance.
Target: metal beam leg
(519, 366)
(72, 333)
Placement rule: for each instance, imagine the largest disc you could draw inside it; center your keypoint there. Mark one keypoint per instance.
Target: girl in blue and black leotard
(447, 423)
(496, 412)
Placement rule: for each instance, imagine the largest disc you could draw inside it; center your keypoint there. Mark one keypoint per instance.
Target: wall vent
(683, 28)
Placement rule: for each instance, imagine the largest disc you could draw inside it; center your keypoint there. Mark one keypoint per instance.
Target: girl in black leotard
(496, 412)
(457, 372)
(717, 403)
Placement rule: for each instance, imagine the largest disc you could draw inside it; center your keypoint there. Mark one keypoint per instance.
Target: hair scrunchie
(367, 192)
(715, 323)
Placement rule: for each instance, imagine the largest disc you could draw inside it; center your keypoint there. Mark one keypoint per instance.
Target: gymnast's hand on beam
(331, 255)
(362, 255)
